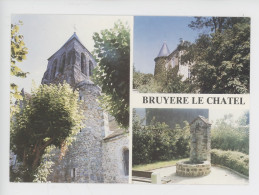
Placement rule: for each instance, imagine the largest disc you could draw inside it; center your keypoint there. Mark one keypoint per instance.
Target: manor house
(167, 59)
(100, 153)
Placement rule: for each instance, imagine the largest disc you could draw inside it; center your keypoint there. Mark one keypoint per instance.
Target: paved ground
(217, 176)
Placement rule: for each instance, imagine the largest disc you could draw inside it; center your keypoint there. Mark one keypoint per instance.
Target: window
(63, 61)
(126, 161)
(91, 67)
(73, 174)
(54, 69)
(71, 57)
(83, 64)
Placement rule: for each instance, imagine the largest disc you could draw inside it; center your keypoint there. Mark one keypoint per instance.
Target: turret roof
(164, 51)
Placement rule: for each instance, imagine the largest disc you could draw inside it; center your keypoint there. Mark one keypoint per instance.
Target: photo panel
(190, 146)
(70, 80)
(204, 55)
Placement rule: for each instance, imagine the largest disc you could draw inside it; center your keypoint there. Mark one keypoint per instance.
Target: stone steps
(141, 179)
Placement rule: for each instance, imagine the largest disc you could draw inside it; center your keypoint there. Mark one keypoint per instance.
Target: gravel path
(217, 176)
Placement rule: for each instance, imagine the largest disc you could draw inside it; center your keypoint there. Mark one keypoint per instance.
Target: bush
(157, 142)
(227, 136)
(234, 160)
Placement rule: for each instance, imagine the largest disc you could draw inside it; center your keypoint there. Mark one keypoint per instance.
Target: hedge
(232, 159)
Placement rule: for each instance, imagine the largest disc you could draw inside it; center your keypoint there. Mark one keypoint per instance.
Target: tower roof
(164, 51)
(74, 36)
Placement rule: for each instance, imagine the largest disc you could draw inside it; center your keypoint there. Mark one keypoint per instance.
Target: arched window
(91, 68)
(126, 161)
(54, 69)
(63, 62)
(71, 57)
(73, 60)
(83, 63)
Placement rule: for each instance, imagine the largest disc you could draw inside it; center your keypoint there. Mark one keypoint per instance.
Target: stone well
(199, 163)
(184, 168)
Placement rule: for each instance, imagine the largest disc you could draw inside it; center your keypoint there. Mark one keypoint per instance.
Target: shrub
(226, 136)
(234, 160)
(157, 142)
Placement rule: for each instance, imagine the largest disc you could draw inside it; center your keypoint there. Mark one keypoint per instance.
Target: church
(100, 153)
(166, 59)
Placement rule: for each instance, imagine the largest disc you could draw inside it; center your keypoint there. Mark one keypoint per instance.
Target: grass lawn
(156, 165)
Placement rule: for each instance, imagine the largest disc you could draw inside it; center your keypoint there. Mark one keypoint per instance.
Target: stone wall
(163, 63)
(113, 161)
(193, 170)
(83, 159)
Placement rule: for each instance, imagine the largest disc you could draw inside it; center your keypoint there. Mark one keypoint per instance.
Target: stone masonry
(200, 140)
(166, 60)
(98, 153)
(199, 163)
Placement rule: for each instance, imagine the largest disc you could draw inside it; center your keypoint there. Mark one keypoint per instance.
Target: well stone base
(185, 168)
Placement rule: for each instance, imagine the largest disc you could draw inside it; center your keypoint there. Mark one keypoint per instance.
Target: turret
(161, 60)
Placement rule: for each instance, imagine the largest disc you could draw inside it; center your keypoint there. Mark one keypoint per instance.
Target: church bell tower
(72, 63)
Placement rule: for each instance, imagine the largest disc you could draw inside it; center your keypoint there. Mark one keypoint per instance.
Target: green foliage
(50, 117)
(141, 78)
(222, 58)
(226, 136)
(172, 82)
(145, 83)
(112, 50)
(160, 68)
(231, 159)
(215, 24)
(157, 142)
(18, 54)
(166, 82)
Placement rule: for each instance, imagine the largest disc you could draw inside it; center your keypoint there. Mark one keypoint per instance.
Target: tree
(172, 82)
(51, 117)
(231, 135)
(215, 24)
(222, 57)
(112, 51)
(18, 54)
(157, 141)
(145, 83)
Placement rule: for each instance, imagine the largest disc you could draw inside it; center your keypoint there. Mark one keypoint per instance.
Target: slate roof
(164, 51)
(203, 119)
(74, 36)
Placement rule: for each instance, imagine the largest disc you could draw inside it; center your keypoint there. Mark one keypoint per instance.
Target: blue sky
(151, 31)
(45, 34)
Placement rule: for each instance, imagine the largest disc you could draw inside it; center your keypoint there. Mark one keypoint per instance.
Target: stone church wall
(83, 159)
(113, 162)
(97, 154)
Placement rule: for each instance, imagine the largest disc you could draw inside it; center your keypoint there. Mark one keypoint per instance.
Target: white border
(247, 8)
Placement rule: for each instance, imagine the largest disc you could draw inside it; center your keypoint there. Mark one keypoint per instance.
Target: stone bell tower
(72, 63)
(82, 161)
